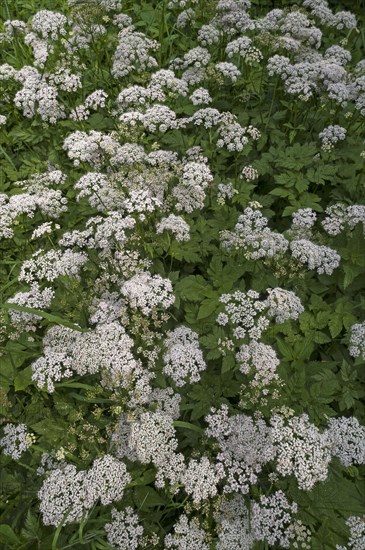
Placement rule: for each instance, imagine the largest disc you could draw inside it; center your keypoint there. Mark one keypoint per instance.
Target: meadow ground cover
(182, 216)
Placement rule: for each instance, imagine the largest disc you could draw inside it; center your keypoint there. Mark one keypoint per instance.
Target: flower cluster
(252, 235)
(244, 312)
(348, 440)
(16, 441)
(124, 532)
(201, 478)
(273, 521)
(67, 494)
(283, 305)
(331, 135)
(177, 225)
(187, 534)
(145, 292)
(317, 257)
(152, 439)
(190, 191)
(107, 349)
(234, 531)
(133, 53)
(259, 360)
(183, 360)
(244, 447)
(357, 532)
(37, 196)
(244, 48)
(357, 340)
(303, 219)
(340, 217)
(301, 450)
(200, 96)
(34, 298)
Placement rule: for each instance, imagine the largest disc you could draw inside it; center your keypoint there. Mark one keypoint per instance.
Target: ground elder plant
(182, 221)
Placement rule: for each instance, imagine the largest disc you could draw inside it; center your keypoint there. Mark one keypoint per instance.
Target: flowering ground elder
(182, 335)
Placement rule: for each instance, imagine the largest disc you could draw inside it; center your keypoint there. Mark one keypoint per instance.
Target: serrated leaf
(279, 192)
(192, 287)
(305, 348)
(321, 337)
(31, 530)
(335, 326)
(23, 379)
(213, 354)
(53, 429)
(228, 362)
(207, 307)
(285, 349)
(351, 272)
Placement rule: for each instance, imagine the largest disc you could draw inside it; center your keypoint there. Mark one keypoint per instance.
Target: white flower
(49, 24)
(107, 349)
(283, 305)
(200, 97)
(261, 361)
(34, 298)
(302, 450)
(16, 440)
(320, 258)
(244, 447)
(357, 340)
(347, 437)
(201, 479)
(177, 225)
(146, 292)
(252, 235)
(234, 530)
(124, 532)
(66, 494)
(187, 534)
(244, 311)
(272, 519)
(190, 191)
(183, 361)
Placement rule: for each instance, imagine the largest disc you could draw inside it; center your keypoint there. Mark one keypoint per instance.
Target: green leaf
(193, 288)
(187, 426)
(228, 362)
(224, 276)
(214, 354)
(305, 347)
(6, 373)
(351, 272)
(31, 530)
(337, 493)
(207, 307)
(52, 318)
(279, 192)
(285, 349)
(52, 429)
(23, 379)
(147, 477)
(321, 337)
(146, 497)
(335, 326)
(7, 535)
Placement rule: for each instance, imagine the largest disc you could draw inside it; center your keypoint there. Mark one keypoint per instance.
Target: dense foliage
(182, 216)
